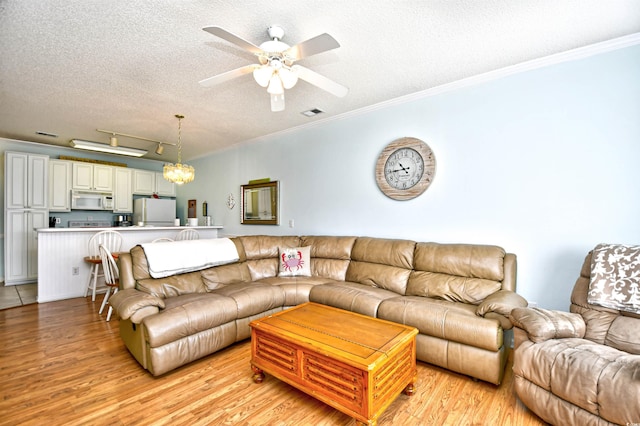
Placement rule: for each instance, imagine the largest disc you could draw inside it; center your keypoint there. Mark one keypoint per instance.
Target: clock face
(405, 168)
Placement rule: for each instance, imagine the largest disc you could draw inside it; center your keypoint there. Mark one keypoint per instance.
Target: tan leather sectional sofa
(458, 296)
(580, 367)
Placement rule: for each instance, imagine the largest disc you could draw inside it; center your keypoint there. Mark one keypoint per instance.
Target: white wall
(544, 163)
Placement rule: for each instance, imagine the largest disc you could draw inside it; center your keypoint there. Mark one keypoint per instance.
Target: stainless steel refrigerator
(154, 212)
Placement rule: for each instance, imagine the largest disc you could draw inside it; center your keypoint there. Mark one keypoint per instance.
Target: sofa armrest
(501, 302)
(542, 324)
(135, 305)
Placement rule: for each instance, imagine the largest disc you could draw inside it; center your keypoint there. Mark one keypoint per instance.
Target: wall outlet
(89, 217)
(291, 223)
(533, 304)
(57, 220)
(75, 270)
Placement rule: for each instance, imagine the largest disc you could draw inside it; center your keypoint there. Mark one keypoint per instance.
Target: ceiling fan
(276, 70)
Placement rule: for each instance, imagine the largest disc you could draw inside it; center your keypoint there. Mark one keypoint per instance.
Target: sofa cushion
(624, 334)
(398, 253)
(294, 262)
(172, 286)
(350, 296)
(252, 298)
(376, 275)
(223, 275)
(187, 315)
(599, 372)
(450, 287)
(451, 321)
(296, 289)
(266, 246)
(329, 255)
(462, 260)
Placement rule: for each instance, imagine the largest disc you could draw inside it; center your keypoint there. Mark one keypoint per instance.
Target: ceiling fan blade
(226, 76)
(277, 102)
(320, 81)
(313, 46)
(232, 38)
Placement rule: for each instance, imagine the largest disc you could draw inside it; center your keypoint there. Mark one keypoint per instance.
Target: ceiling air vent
(312, 112)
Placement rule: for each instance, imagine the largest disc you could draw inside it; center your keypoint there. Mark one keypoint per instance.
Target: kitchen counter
(62, 271)
(131, 228)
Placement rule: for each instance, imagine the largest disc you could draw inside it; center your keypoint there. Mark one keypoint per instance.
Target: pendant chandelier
(179, 173)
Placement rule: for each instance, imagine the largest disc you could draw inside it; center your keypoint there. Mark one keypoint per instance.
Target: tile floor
(18, 295)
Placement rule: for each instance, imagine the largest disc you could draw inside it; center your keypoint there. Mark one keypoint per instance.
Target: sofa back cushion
(261, 252)
(606, 326)
(381, 263)
(329, 255)
(465, 273)
(220, 276)
(175, 285)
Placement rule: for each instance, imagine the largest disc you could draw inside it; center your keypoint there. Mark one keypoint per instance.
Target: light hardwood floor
(61, 363)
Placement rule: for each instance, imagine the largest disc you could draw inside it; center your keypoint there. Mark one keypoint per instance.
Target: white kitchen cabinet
(122, 190)
(144, 182)
(147, 182)
(92, 177)
(21, 262)
(59, 185)
(26, 208)
(164, 187)
(26, 177)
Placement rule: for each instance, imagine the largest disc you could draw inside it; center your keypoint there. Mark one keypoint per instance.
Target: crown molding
(557, 58)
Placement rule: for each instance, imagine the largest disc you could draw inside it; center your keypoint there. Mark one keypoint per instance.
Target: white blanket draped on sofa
(178, 257)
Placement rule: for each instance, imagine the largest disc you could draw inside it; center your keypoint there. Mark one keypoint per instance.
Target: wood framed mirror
(260, 203)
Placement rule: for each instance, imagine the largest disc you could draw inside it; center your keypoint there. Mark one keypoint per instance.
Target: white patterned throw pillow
(615, 277)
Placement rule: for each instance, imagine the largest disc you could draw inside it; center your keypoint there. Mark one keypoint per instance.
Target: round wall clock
(405, 168)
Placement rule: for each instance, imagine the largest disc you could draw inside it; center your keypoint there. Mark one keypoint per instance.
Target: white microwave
(91, 200)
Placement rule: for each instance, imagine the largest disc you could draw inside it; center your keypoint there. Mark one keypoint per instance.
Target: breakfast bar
(62, 272)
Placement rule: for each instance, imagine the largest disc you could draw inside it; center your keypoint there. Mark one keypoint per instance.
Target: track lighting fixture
(113, 140)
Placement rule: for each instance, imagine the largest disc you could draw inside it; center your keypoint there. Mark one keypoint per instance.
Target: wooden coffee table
(354, 363)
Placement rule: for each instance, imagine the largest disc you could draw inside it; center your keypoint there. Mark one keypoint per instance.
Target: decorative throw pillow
(295, 262)
(615, 277)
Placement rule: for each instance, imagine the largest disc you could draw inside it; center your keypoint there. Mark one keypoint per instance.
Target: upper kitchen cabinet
(92, 177)
(26, 181)
(164, 187)
(122, 190)
(147, 182)
(59, 185)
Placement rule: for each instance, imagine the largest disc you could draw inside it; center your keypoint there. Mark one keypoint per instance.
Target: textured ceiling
(69, 67)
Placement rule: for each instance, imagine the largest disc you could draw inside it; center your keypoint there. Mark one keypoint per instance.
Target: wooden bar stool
(188, 234)
(111, 277)
(112, 240)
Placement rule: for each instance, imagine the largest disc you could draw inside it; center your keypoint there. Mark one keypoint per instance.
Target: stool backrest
(188, 234)
(109, 266)
(112, 240)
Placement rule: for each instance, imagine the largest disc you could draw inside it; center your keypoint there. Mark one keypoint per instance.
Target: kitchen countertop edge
(125, 228)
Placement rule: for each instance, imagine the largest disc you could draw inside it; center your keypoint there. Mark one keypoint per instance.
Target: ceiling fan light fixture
(179, 173)
(275, 85)
(262, 75)
(277, 102)
(288, 77)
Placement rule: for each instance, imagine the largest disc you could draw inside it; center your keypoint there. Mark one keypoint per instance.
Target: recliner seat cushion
(354, 297)
(252, 298)
(586, 374)
(187, 315)
(450, 321)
